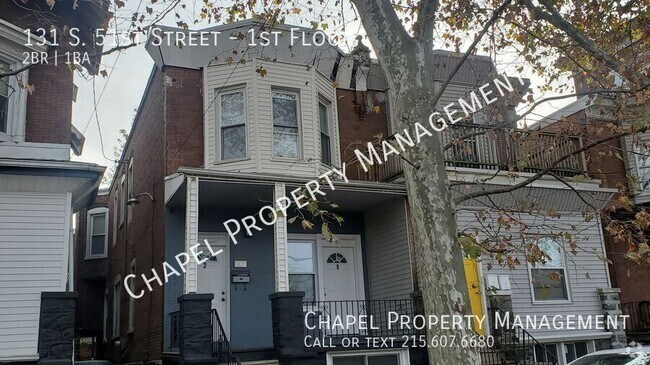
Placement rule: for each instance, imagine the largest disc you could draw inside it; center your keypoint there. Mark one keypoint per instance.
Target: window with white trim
(575, 350)
(97, 233)
(131, 298)
(643, 167)
(548, 279)
(123, 199)
(117, 300)
(232, 124)
(302, 268)
(325, 132)
(4, 97)
(286, 122)
(129, 188)
(116, 209)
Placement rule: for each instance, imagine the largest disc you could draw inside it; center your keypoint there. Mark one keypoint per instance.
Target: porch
(368, 270)
(483, 147)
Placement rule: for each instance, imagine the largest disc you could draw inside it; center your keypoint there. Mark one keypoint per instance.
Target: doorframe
(224, 241)
(320, 242)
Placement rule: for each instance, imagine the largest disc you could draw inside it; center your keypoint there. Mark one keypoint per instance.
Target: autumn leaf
(229, 60)
(75, 4)
(50, 3)
(261, 70)
(103, 73)
(376, 109)
(29, 87)
(307, 224)
(119, 3)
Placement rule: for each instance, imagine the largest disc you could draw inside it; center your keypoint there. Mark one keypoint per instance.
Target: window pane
(4, 87)
(233, 142)
(324, 121)
(97, 245)
(581, 349)
(383, 360)
(285, 142)
(285, 109)
(356, 360)
(303, 282)
(549, 284)
(552, 249)
(325, 149)
(570, 352)
(232, 108)
(301, 257)
(4, 105)
(99, 224)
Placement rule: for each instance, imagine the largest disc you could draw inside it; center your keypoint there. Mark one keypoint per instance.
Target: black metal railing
(639, 320)
(514, 345)
(380, 318)
(174, 327)
(220, 345)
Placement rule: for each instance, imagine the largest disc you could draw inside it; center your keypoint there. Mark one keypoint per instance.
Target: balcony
(483, 147)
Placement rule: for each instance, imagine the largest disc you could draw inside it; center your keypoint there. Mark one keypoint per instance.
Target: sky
(119, 94)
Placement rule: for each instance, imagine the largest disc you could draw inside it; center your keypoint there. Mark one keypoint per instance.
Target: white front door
(213, 275)
(339, 273)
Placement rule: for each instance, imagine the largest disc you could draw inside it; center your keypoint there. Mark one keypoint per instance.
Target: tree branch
(546, 170)
(426, 20)
(495, 15)
(556, 19)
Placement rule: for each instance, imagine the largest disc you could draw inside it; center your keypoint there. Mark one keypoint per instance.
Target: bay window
(232, 124)
(286, 132)
(325, 139)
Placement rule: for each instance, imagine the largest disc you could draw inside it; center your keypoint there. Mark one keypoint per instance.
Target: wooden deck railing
(493, 149)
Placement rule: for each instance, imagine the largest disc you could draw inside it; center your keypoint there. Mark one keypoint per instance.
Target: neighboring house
(91, 268)
(216, 139)
(618, 163)
(40, 188)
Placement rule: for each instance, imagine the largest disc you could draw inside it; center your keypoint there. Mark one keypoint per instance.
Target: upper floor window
(123, 199)
(129, 188)
(232, 124)
(548, 278)
(4, 98)
(97, 228)
(286, 131)
(643, 167)
(325, 133)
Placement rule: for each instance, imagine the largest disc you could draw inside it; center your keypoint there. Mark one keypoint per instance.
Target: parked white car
(627, 356)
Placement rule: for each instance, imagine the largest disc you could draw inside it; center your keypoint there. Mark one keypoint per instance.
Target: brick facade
(358, 125)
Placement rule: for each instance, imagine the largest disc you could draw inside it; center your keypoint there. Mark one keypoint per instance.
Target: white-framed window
(564, 352)
(123, 199)
(574, 350)
(286, 123)
(394, 357)
(231, 119)
(116, 210)
(129, 188)
(132, 299)
(5, 90)
(542, 356)
(117, 300)
(325, 119)
(97, 233)
(642, 157)
(548, 279)
(302, 268)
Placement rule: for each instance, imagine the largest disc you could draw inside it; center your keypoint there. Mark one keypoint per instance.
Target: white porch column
(191, 230)
(280, 245)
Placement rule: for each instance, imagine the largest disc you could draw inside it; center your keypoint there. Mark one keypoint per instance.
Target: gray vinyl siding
(388, 252)
(586, 273)
(34, 232)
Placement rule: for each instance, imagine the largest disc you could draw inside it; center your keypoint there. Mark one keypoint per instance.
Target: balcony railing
(483, 147)
(639, 320)
(377, 314)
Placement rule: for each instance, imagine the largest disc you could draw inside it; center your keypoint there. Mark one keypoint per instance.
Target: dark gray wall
(175, 243)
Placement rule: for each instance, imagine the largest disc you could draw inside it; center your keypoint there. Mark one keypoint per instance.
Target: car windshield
(612, 359)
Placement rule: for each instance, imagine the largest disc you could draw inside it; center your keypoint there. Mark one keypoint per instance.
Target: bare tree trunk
(439, 257)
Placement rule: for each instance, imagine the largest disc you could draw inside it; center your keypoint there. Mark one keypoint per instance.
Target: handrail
(220, 345)
(519, 344)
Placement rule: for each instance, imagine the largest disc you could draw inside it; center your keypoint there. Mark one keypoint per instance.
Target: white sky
(129, 72)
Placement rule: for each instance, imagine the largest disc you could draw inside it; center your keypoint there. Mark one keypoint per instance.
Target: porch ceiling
(234, 194)
(353, 200)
